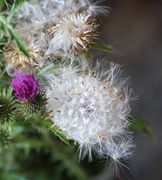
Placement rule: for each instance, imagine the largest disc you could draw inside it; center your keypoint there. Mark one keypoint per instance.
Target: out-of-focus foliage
(102, 47)
(2, 4)
(140, 125)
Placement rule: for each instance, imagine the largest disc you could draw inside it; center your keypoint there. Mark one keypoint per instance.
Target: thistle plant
(57, 101)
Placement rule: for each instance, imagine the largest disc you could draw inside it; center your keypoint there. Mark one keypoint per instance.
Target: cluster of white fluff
(58, 28)
(92, 108)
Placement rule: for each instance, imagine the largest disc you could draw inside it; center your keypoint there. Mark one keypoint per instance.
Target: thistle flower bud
(92, 109)
(26, 87)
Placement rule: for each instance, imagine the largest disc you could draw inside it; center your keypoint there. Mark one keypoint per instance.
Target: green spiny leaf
(102, 47)
(56, 131)
(140, 125)
(13, 35)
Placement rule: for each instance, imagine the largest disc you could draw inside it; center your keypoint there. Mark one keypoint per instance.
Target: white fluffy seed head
(91, 109)
(72, 35)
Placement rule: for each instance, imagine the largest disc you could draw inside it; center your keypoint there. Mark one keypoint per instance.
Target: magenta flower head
(26, 87)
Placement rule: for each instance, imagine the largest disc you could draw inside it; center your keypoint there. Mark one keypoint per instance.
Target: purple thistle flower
(26, 87)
